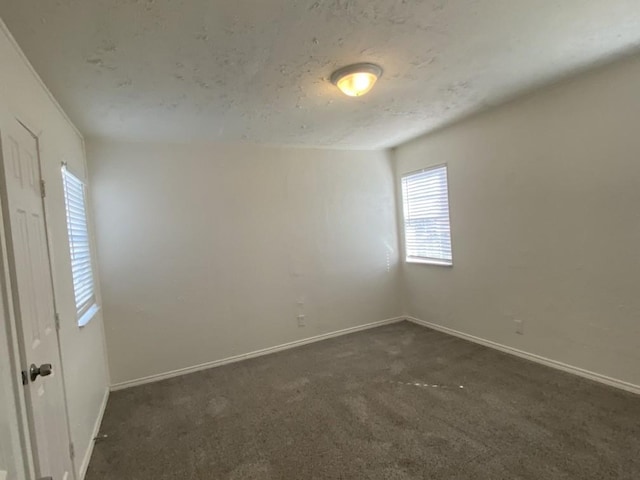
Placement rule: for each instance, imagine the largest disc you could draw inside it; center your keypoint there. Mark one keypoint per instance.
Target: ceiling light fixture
(356, 80)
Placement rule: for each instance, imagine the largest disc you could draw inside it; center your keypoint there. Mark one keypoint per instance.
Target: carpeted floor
(386, 403)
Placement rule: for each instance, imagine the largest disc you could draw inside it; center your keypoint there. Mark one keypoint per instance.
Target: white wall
(206, 250)
(83, 355)
(545, 212)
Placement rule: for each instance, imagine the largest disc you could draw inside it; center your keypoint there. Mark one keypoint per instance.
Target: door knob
(43, 370)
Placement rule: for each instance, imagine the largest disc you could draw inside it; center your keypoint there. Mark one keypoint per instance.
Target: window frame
(88, 310)
(425, 260)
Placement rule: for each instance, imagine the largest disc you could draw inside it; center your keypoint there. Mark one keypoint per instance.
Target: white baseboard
(245, 356)
(96, 431)
(613, 382)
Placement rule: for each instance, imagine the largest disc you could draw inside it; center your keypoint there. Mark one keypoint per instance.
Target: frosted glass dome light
(356, 80)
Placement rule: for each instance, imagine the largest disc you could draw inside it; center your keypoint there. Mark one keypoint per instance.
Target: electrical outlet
(519, 326)
(301, 320)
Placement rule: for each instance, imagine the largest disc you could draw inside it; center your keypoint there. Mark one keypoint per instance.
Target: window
(425, 200)
(81, 267)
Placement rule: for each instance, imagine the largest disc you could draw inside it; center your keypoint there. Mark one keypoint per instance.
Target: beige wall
(83, 357)
(545, 215)
(205, 251)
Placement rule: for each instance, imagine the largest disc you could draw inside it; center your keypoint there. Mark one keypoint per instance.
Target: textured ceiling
(256, 70)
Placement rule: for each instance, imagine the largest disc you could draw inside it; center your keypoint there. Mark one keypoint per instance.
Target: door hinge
(57, 320)
(43, 188)
(72, 451)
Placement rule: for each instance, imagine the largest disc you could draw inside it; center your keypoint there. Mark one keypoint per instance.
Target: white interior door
(33, 301)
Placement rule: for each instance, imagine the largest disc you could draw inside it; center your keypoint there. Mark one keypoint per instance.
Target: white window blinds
(427, 233)
(82, 271)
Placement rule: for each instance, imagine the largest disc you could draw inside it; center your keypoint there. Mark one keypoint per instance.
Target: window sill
(88, 315)
(426, 261)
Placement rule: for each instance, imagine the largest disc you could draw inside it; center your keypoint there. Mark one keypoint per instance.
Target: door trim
(13, 344)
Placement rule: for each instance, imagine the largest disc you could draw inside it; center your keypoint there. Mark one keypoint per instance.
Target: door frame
(16, 348)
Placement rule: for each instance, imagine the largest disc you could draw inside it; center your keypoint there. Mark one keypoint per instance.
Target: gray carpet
(386, 403)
